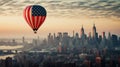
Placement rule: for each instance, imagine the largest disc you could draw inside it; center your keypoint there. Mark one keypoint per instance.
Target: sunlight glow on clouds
(96, 8)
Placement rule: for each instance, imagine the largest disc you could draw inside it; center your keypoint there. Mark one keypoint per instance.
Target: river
(9, 48)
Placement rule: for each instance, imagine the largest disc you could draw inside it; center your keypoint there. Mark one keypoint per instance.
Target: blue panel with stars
(38, 11)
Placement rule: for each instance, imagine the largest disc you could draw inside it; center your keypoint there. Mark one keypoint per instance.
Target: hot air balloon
(35, 16)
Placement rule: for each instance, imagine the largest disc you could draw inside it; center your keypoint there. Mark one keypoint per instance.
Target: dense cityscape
(62, 50)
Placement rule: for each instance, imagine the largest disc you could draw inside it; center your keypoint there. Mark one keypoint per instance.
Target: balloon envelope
(34, 16)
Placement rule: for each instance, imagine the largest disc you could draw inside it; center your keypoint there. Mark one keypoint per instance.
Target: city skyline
(104, 13)
(70, 32)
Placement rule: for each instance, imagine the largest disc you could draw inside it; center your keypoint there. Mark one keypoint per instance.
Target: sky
(62, 16)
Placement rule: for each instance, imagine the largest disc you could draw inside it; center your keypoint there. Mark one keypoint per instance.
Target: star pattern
(38, 11)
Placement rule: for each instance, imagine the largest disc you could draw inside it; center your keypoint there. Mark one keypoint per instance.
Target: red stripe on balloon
(42, 18)
(36, 25)
(38, 22)
(25, 15)
(33, 21)
(30, 17)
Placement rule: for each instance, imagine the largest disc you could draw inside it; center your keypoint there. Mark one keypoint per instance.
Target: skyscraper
(59, 47)
(50, 39)
(76, 35)
(89, 35)
(104, 41)
(94, 33)
(82, 33)
(23, 39)
(115, 40)
(109, 36)
(73, 34)
(109, 41)
(60, 36)
(65, 39)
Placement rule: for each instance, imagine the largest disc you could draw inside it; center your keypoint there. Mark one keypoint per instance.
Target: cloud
(96, 8)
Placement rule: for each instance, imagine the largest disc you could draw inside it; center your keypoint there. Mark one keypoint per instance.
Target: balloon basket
(35, 32)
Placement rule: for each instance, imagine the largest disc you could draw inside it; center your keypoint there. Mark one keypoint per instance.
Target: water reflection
(3, 56)
(10, 47)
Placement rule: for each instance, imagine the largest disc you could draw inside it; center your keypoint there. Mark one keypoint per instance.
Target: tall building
(83, 37)
(103, 35)
(59, 47)
(119, 41)
(76, 39)
(50, 39)
(60, 36)
(94, 33)
(49, 35)
(104, 41)
(65, 34)
(73, 34)
(109, 36)
(109, 41)
(54, 36)
(23, 39)
(89, 35)
(82, 33)
(115, 40)
(99, 39)
(34, 42)
(65, 39)
(76, 35)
